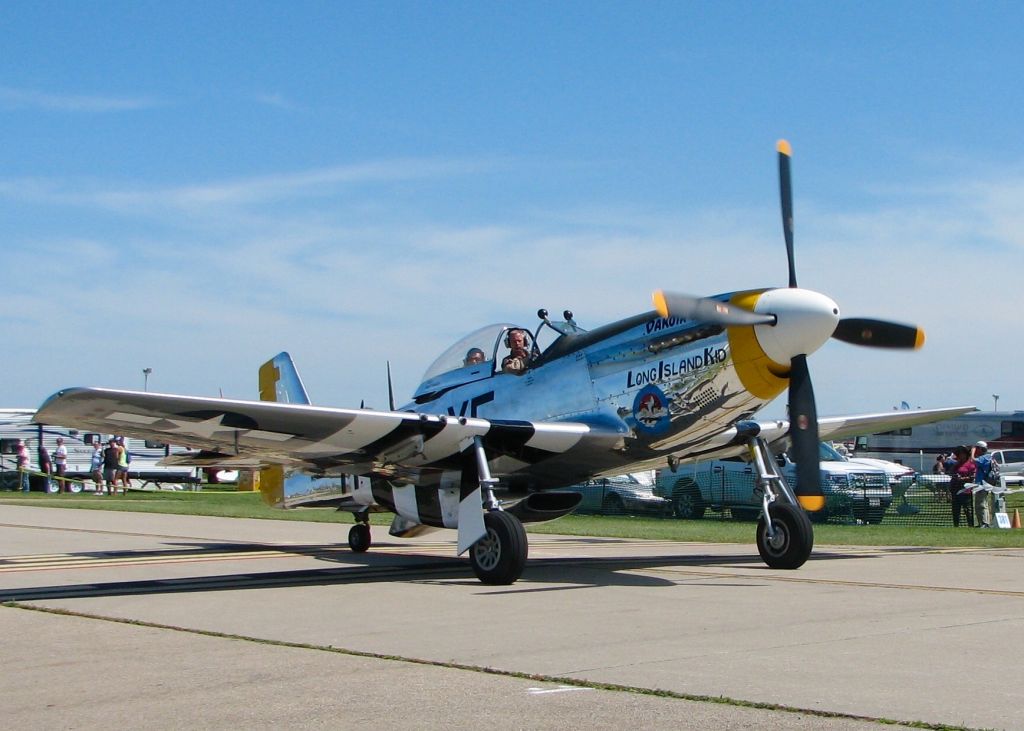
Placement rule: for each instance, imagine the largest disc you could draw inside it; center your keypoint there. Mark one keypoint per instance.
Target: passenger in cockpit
(474, 355)
(518, 359)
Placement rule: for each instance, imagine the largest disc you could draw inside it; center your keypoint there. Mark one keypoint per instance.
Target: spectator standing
(45, 465)
(96, 466)
(123, 458)
(982, 493)
(60, 465)
(961, 470)
(22, 457)
(110, 459)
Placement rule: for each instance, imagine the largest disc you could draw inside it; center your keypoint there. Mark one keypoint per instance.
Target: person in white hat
(982, 494)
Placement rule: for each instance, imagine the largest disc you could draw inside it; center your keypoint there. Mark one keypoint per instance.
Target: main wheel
(359, 538)
(499, 557)
(793, 540)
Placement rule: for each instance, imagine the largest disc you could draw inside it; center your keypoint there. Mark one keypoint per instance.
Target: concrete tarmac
(177, 621)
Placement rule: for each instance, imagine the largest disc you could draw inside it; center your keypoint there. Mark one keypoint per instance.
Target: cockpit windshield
(463, 352)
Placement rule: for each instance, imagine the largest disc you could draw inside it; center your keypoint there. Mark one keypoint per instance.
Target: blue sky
(193, 187)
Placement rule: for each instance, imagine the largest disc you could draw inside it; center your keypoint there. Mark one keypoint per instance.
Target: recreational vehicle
(918, 446)
(17, 424)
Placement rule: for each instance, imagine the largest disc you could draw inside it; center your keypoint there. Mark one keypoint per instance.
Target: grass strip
(231, 504)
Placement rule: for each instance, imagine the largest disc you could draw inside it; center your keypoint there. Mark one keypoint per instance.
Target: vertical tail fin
(279, 381)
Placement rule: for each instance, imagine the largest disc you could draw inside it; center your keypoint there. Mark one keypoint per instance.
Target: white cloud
(223, 200)
(18, 99)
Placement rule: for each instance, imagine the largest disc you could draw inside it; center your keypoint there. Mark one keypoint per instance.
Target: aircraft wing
(309, 437)
(732, 441)
(843, 427)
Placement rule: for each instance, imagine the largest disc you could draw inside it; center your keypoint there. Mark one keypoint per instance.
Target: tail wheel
(791, 545)
(500, 556)
(359, 538)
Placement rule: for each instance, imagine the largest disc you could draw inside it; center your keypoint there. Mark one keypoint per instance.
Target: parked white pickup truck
(856, 491)
(1011, 461)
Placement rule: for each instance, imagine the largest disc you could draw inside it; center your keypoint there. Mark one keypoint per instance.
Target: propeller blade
(803, 435)
(786, 196)
(703, 309)
(878, 333)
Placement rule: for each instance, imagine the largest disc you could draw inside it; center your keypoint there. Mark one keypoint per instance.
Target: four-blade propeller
(790, 326)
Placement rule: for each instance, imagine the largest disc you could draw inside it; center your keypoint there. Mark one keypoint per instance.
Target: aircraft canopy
(486, 339)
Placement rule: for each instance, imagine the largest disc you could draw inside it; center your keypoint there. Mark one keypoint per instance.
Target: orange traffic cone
(1016, 519)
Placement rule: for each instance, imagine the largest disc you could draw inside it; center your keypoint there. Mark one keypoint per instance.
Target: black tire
(612, 505)
(499, 557)
(794, 537)
(359, 538)
(687, 502)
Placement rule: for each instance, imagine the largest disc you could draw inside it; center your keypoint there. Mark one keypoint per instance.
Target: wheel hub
(487, 550)
(778, 541)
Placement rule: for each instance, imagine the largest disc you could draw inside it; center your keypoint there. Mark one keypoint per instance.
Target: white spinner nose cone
(805, 320)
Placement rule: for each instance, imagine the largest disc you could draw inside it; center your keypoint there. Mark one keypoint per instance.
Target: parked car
(860, 491)
(899, 474)
(622, 495)
(1011, 461)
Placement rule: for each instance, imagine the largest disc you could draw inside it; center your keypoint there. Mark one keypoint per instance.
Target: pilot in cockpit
(473, 356)
(518, 360)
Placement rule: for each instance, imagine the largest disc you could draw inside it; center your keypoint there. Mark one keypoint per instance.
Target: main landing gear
(500, 556)
(784, 533)
(495, 539)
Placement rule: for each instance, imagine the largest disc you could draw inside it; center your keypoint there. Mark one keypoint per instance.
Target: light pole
(145, 378)
(995, 402)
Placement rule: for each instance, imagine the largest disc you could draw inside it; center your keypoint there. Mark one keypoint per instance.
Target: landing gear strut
(499, 556)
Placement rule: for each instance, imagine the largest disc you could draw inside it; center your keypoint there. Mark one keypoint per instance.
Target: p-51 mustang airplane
(507, 416)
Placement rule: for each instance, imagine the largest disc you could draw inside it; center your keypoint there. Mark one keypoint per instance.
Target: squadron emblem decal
(650, 409)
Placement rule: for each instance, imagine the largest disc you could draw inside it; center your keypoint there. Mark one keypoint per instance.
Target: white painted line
(559, 689)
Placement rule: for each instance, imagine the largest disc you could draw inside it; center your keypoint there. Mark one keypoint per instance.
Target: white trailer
(144, 469)
(918, 446)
